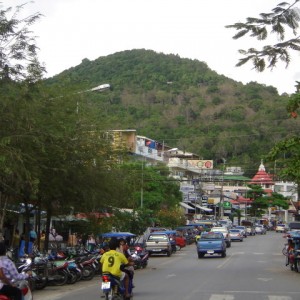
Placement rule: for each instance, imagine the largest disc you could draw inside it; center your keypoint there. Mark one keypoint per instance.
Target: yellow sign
(210, 201)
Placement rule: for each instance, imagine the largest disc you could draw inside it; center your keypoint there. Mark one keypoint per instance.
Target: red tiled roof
(262, 177)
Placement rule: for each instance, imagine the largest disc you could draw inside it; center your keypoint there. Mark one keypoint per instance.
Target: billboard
(201, 164)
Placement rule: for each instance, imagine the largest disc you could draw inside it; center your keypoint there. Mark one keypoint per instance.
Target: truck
(211, 243)
(158, 243)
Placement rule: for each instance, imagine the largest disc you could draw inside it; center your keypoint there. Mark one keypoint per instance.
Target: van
(294, 226)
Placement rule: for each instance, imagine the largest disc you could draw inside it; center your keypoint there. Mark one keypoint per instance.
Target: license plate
(210, 251)
(156, 250)
(105, 285)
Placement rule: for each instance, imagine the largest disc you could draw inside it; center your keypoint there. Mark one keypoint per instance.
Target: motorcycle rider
(111, 263)
(8, 274)
(124, 248)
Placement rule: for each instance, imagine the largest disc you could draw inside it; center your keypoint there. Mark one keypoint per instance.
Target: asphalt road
(253, 270)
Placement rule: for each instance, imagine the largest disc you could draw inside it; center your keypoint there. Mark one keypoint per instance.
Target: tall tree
(283, 16)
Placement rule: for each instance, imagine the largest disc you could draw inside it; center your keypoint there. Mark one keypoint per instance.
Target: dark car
(211, 243)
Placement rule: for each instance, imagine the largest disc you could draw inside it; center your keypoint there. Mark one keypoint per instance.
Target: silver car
(260, 229)
(243, 229)
(236, 235)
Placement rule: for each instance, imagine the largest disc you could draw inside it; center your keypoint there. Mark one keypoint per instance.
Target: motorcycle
(113, 288)
(140, 257)
(24, 286)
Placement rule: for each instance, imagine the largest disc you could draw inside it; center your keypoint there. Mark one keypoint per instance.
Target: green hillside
(183, 103)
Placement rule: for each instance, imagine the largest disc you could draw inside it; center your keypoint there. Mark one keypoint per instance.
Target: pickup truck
(157, 243)
(211, 243)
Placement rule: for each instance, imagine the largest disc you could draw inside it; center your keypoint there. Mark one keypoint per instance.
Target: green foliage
(282, 16)
(259, 200)
(181, 105)
(170, 218)
(18, 51)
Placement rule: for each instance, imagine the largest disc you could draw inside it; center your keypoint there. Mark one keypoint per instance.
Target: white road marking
(279, 298)
(221, 297)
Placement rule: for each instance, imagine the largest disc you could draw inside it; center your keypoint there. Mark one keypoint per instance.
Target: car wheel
(223, 254)
(169, 253)
(241, 240)
(200, 255)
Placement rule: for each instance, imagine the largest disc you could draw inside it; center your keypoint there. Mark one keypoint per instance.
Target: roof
(117, 234)
(262, 177)
(185, 205)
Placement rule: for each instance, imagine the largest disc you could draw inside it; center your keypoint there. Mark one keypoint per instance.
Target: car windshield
(219, 229)
(157, 237)
(234, 230)
(212, 236)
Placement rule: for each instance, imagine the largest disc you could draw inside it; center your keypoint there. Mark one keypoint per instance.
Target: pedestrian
(91, 243)
(32, 239)
(15, 244)
(42, 240)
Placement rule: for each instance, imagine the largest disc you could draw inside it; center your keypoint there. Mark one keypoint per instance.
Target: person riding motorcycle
(111, 263)
(124, 248)
(8, 274)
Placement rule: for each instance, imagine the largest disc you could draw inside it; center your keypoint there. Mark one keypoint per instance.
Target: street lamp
(99, 88)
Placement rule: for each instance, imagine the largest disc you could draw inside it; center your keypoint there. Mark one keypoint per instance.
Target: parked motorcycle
(50, 272)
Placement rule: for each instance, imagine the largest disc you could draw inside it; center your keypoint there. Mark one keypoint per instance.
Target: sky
(71, 30)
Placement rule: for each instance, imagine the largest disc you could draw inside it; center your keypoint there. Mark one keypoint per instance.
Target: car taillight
(105, 278)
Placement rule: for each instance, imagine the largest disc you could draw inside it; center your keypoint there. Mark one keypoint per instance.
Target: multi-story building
(204, 188)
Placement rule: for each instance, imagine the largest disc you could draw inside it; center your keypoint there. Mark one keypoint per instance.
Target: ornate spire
(261, 167)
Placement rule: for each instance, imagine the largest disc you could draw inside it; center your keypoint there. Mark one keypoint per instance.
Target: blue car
(211, 243)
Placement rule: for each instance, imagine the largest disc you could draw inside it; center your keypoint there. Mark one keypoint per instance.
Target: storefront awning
(186, 206)
(203, 208)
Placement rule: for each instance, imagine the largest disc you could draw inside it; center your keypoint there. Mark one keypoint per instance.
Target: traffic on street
(252, 270)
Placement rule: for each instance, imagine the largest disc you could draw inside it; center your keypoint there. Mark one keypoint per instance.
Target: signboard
(227, 205)
(187, 188)
(201, 164)
(204, 200)
(211, 201)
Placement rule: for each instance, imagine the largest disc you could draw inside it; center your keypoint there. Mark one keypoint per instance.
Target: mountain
(184, 104)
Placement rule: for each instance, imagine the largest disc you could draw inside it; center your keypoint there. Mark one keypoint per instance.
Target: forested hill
(185, 104)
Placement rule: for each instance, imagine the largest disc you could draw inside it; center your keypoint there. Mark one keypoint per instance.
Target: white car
(225, 233)
(281, 228)
(260, 229)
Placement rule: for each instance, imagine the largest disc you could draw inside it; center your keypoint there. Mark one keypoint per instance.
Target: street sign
(227, 205)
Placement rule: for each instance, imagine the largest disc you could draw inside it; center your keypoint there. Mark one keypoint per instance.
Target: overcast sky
(71, 30)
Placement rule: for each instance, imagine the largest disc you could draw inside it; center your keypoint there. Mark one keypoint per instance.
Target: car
(159, 243)
(225, 223)
(243, 230)
(250, 230)
(281, 228)
(294, 226)
(260, 229)
(225, 233)
(236, 235)
(211, 243)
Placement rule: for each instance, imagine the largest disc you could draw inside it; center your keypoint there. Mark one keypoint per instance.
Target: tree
(259, 201)
(282, 16)
(18, 50)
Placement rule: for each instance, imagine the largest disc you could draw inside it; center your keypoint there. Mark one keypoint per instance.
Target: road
(253, 270)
